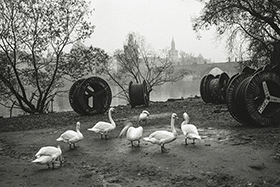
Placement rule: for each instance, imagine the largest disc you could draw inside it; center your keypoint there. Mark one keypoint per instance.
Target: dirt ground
(229, 154)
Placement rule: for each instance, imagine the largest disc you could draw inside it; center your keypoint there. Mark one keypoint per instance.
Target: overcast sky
(158, 21)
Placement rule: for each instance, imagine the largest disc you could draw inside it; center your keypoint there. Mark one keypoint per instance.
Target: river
(181, 89)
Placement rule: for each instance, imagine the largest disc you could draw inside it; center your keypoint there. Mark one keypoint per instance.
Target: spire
(172, 44)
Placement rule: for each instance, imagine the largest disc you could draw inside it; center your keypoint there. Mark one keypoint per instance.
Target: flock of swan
(49, 154)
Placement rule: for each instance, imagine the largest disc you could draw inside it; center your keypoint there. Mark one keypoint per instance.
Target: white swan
(71, 137)
(132, 133)
(163, 137)
(143, 117)
(189, 130)
(47, 155)
(102, 127)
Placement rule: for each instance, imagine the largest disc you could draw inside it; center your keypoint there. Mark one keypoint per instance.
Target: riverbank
(229, 154)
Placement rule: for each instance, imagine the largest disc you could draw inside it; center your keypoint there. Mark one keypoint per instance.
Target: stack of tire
(90, 96)
(213, 88)
(253, 96)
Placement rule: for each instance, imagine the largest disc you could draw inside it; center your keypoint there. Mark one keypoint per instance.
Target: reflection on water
(184, 88)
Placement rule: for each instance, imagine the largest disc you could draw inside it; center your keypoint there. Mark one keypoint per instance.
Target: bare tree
(137, 62)
(252, 27)
(33, 36)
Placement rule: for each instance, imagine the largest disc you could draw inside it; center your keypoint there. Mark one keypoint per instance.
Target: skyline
(158, 21)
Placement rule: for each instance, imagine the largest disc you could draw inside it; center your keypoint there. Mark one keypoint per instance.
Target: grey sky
(158, 21)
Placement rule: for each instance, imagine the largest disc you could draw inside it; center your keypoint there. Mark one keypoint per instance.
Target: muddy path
(229, 154)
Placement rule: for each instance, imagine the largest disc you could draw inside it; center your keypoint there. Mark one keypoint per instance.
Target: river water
(181, 89)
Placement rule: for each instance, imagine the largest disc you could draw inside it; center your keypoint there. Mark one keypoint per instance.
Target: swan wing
(44, 159)
(47, 151)
(134, 133)
(189, 129)
(193, 136)
(164, 136)
(67, 136)
(102, 126)
(160, 134)
(159, 137)
(152, 140)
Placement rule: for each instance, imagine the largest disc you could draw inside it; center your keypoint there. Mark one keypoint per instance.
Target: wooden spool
(241, 113)
(213, 89)
(73, 99)
(231, 92)
(90, 96)
(204, 88)
(138, 94)
(223, 83)
(262, 97)
(253, 98)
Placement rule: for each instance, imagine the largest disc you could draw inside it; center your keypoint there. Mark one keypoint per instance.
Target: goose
(71, 137)
(189, 130)
(163, 137)
(104, 127)
(143, 117)
(47, 155)
(132, 133)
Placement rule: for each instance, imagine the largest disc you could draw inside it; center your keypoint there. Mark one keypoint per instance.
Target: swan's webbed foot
(193, 142)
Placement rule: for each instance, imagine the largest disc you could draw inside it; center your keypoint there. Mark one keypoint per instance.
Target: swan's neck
(111, 119)
(78, 128)
(78, 131)
(173, 129)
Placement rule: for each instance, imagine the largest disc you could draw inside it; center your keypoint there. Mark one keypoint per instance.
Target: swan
(71, 137)
(47, 155)
(143, 117)
(104, 127)
(163, 137)
(132, 133)
(189, 130)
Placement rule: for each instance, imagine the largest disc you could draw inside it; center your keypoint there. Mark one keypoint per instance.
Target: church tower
(173, 53)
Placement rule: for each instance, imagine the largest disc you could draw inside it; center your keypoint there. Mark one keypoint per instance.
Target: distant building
(173, 52)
